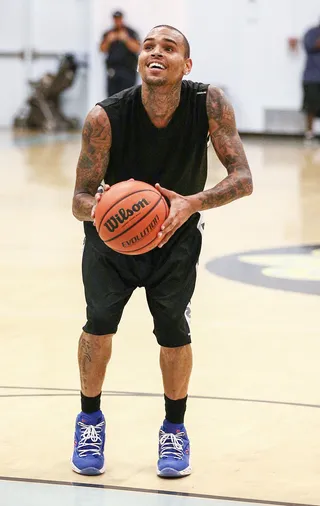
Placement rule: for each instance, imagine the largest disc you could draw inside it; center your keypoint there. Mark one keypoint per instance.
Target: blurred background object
(35, 37)
(43, 108)
(293, 43)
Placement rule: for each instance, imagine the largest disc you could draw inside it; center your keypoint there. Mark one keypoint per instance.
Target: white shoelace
(171, 445)
(90, 437)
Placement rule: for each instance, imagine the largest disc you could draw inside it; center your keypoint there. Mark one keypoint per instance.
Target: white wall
(242, 44)
(238, 44)
(57, 26)
(13, 37)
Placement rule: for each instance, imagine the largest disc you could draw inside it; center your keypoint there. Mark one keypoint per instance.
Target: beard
(155, 81)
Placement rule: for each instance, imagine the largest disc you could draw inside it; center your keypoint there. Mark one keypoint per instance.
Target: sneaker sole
(88, 471)
(169, 472)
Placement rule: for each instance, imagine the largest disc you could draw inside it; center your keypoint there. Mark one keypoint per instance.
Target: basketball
(129, 216)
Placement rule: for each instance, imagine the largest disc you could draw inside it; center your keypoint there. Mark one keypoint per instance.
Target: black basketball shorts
(168, 275)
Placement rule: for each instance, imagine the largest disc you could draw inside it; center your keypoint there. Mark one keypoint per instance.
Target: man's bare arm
(104, 45)
(93, 162)
(228, 146)
(132, 44)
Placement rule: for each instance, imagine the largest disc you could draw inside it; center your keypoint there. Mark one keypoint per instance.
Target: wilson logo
(124, 214)
(142, 234)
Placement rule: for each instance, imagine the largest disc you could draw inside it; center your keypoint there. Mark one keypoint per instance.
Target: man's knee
(94, 337)
(101, 322)
(170, 353)
(172, 334)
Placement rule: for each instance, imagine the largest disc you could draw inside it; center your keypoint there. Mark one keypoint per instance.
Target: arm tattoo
(93, 161)
(230, 151)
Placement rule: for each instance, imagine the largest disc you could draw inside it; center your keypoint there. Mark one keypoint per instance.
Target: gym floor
(253, 411)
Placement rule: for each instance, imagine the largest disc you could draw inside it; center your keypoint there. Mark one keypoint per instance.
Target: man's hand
(181, 208)
(123, 35)
(97, 197)
(107, 41)
(111, 37)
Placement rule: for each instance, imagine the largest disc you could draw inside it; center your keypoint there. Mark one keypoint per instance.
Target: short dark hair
(185, 40)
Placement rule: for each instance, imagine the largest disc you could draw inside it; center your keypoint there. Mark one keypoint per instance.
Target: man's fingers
(167, 233)
(166, 238)
(167, 193)
(168, 224)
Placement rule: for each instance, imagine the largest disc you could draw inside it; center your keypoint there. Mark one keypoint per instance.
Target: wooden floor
(254, 408)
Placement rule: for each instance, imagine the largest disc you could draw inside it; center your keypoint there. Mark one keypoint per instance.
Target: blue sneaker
(89, 441)
(174, 451)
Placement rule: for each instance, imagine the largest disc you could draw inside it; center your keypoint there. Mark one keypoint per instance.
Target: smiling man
(157, 133)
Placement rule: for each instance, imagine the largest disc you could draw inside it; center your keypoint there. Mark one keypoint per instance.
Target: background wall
(48, 27)
(241, 45)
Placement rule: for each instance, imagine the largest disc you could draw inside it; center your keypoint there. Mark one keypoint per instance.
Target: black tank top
(174, 156)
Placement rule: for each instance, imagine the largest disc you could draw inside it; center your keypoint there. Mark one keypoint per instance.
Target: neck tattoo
(161, 104)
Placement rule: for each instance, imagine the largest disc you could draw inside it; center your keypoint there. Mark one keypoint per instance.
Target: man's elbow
(247, 186)
(75, 208)
(104, 46)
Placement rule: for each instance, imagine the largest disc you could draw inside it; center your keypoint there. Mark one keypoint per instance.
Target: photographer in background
(122, 45)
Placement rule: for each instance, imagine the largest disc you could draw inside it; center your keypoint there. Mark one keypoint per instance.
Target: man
(156, 132)
(121, 44)
(311, 80)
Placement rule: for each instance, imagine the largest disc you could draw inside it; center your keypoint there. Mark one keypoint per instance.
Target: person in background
(121, 45)
(311, 80)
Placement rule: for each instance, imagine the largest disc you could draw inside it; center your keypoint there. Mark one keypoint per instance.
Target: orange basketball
(129, 217)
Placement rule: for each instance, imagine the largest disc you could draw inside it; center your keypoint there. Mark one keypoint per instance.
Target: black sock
(90, 404)
(175, 410)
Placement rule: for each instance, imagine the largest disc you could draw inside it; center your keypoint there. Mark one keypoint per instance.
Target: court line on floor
(153, 491)
(73, 392)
